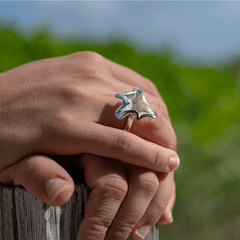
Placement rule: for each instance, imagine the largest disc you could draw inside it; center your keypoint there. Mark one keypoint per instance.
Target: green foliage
(205, 110)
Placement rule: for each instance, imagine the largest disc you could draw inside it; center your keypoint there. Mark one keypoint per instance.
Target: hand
(125, 199)
(66, 106)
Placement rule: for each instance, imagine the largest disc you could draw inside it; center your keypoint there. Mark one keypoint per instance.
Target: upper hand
(66, 105)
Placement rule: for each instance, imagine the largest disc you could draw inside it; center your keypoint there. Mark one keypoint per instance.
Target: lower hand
(125, 199)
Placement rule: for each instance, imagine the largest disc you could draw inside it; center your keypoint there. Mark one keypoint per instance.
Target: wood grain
(24, 217)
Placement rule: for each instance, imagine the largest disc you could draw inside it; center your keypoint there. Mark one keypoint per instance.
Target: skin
(65, 106)
(124, 198)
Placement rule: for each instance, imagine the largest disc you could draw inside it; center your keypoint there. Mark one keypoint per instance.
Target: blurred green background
(204, 106)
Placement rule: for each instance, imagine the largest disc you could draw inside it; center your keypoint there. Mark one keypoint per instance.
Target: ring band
(134, 106)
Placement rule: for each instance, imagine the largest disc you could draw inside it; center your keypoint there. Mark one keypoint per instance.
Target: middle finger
(142, 186)
(106, 178)
(159, 131)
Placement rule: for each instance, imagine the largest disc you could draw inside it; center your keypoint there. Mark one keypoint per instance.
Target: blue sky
(201, 30)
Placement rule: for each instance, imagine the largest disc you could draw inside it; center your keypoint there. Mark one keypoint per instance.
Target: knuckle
(94, 74)
(97, 228)
(123, 143)
(161, 158)
(92, 68)
(90, 56)
(161, 206)
(158, 162)
(86, 55)
(149, 183)
(30, 171)
(114, 187)
(75, 55)
(125, 228)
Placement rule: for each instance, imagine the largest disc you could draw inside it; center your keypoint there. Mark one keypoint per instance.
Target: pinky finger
(167, 217)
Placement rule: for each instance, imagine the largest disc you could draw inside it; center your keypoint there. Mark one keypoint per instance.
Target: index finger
(127, 147)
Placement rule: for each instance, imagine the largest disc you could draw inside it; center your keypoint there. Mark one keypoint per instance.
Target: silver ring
(134, 106)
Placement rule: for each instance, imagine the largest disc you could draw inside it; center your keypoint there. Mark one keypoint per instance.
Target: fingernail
(54, 187)
(171, 217)
(167, 219)
(143, 231)
(174, 163)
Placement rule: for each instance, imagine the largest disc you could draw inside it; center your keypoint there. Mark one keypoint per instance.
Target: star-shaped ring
(134, 104)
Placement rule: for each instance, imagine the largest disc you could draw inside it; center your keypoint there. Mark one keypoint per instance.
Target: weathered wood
(24, 217)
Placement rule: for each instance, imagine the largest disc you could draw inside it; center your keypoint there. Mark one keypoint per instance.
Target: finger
(167, 217)
(115, 144)
(143, 184)
(129, 148)
(154, 100)
(108, 182)
(159, 131)
(42, 177)
(156, 208)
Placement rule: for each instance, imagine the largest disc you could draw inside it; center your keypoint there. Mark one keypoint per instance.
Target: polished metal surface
(134, 104)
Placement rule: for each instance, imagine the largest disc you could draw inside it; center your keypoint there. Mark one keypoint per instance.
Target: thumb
(41, 176)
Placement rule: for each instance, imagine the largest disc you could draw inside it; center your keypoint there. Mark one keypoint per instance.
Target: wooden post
(24, 217)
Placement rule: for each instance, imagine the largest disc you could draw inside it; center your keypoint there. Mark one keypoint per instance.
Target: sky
(203, 30)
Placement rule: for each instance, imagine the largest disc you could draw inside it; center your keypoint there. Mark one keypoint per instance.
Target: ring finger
(159, 131)
(162, 199)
